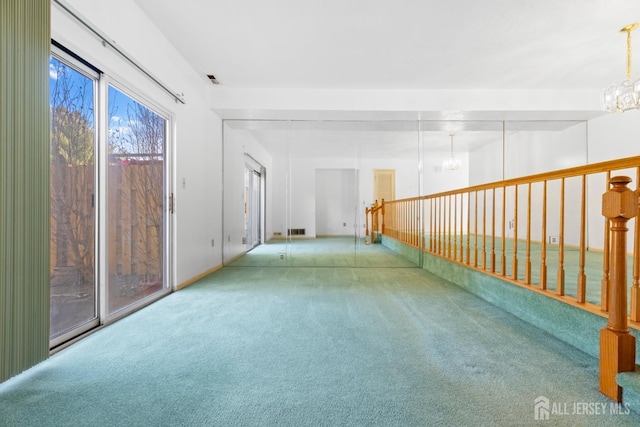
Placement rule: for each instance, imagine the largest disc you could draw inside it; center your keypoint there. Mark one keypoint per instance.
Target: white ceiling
(401, 44)
(410, 45)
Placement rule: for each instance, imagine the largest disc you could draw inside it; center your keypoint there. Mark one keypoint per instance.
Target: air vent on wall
(213, 79)
(296, 232)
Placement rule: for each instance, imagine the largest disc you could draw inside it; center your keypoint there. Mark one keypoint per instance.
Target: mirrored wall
(295, 192)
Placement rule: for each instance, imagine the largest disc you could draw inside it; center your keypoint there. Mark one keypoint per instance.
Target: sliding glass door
(74, 300)
(135, 208)
(253, 207)
(108, 184)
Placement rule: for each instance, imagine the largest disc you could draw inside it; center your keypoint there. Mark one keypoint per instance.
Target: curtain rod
(106, 42)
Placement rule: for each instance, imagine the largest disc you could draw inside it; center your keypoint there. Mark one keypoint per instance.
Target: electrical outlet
(553, 240)
(213, 243)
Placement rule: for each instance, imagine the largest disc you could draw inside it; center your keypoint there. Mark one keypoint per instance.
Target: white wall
(336, 201)
(436, 179)
(611, 136)
(196, 138)
(294, 197)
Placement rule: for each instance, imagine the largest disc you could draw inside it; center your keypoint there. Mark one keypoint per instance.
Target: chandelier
(451, 163)
(626, 95)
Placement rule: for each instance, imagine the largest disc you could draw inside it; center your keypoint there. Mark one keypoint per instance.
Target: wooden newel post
(382, 209)
(366, 220)
(617, 345)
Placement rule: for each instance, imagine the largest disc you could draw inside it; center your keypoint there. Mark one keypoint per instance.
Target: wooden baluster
(475, 233)
(382, 209)
(617, 344)
(410, 220)
(366, 219)
(412, 210)
(414, 230)
(416, 223)
(461, 227)
(440, 225)
(484, 229)
(527, 263)
(504, 221)
(582, 278)
(372, 231)
(422, 214)
(401, 224)
(493, 230)
(543, 248)
(431, 227)
(635, 285)
(560, 278)
(604, 285)
(374, 222)
(437, 221)
(376, 228)
(436, 224)
(449, 227)
(514, 273)
(407, 222)
(455, 227)
(468, 228)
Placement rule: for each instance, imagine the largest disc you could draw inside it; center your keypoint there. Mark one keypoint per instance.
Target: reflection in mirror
(319, 177)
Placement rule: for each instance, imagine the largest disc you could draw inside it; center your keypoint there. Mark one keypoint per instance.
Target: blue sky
(81, 96)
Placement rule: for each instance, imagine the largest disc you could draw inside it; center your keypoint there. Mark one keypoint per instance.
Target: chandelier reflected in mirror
(452, 163)
(626, 95)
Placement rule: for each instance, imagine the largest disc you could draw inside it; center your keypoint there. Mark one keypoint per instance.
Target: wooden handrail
(626, 163)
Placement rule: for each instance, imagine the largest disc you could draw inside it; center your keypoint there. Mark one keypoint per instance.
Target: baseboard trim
(198, 277)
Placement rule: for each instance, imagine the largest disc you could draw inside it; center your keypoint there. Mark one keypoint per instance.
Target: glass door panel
(72, 190)
(252, 208)
(135, 212)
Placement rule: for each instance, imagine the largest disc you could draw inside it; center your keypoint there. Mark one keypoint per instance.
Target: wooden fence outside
(135, 219)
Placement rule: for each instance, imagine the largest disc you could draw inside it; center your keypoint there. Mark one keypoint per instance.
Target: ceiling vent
(213, 79)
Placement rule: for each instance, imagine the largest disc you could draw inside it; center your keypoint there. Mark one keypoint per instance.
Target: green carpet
(323, 252)
(312, 346)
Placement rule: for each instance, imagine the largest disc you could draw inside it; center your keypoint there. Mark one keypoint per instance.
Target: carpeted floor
(313, 346)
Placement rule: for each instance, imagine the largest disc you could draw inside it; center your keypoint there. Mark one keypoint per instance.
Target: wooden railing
(545, 232)
(376, 213)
